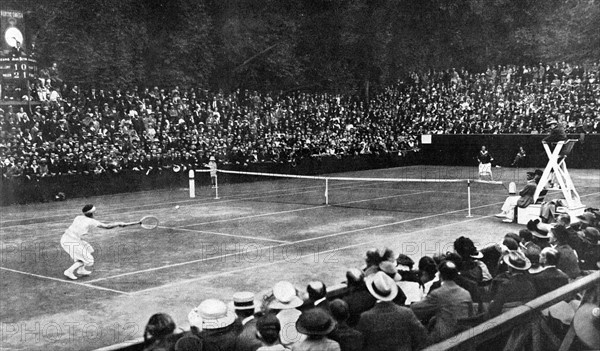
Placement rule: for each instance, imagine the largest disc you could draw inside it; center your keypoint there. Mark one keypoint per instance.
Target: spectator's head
(315, 323)
(510, 244)
(525, 235)
(243, 303)
(339, 310)
(427, 268)
(159, 326)
(466, 249)
(516, 261)
(516, 237)
(591, 236)
(454, 258)
(284, 296)
(268, 328)
(549, 256)
(560, 234)
(381, 286)
(532, 252)
(587, 219)
(448, 271)
(564, 219)
(211, 314)
(355, 277)
(316, 290)
(389, 268)
(405, 263)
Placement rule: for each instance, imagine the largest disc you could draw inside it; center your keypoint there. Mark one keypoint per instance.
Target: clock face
(12, 36)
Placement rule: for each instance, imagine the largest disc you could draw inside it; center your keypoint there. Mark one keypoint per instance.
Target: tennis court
(258, 232)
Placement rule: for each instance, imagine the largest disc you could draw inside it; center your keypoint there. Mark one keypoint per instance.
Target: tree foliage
(296, 44)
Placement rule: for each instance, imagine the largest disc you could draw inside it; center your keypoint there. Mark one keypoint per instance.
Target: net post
(326, 191)
(469, 197)
(216, 187)
(192, 183)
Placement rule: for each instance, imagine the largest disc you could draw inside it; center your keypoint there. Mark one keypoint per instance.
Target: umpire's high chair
(556, 172)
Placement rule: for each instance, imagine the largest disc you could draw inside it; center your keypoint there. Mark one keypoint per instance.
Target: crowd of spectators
(71, 130)
(391, 303)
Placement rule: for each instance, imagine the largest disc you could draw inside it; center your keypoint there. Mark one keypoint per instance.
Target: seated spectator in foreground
(410, 283)
(349, 338)
(524, 199)
(514, 287)
(547, 277)
(283, 302)
(443, 307)
(472, 268)
(243, 304)
(317, 296)
(316, 324)
(567, 261)
(268, 328)
(213, 322)
(358, 297)
(388, 326)
(158, 334)
(467, 284)
(589, 259)
(428, 273)
(390, 269)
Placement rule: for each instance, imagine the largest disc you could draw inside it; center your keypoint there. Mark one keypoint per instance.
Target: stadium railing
(486, 331)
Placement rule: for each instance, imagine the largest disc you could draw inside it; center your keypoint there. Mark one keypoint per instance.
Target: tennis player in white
(79, 250)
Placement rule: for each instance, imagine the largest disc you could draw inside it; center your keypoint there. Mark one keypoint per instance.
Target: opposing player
(212, 165)
(485, 163)
(79, 250)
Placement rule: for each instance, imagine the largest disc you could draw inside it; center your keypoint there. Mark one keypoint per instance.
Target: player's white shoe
(83, 271)
(501, 215)
(70, 275)
(508, 220)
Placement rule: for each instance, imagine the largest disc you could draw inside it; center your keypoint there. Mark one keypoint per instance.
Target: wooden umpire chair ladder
(557, 163)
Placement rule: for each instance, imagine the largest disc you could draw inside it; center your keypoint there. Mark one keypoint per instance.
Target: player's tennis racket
(149, 222)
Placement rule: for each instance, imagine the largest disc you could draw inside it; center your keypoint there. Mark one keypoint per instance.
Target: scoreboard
(17, 68)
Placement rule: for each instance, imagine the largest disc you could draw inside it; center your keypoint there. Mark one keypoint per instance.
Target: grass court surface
(255, 234)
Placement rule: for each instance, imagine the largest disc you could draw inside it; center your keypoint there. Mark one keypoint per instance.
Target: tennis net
(418, 195)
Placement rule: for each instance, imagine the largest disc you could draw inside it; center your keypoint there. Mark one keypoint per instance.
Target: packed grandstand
(66, 129)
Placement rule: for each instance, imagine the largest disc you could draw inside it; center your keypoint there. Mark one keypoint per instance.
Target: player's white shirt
(81, 225)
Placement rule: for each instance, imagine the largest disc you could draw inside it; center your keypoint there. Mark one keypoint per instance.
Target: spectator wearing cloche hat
(316, 324)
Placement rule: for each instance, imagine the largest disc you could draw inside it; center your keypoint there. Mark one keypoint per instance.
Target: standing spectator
(349, 338)
(316, 324)
(388, 326)
(444, 306)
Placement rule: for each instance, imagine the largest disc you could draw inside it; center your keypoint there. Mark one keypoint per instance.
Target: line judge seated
(524, 199)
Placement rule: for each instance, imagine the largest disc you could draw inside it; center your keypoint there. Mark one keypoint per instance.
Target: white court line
(298, 209)
(224, 234)
(285, 244)
(64, 281)
(211, 276)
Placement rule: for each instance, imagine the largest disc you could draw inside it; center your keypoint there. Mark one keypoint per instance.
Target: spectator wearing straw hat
(283, 302)
(568, 261)
(547, 277)
(388, 326)
(213, 322)
(316, 324)
(358, 297)
(349, 338)
(243, 306)
(524, 199)
(442, 307)
(515, 288)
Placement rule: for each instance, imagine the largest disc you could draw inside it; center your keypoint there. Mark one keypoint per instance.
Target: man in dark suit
(358, 297)
(547, 277)
(513, 288)
(317, 297)
(349, 338)
(446, 304)
(388, 326)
